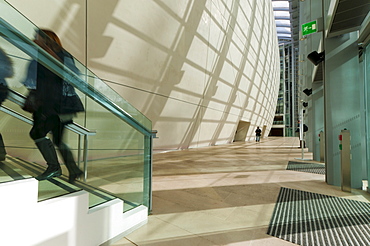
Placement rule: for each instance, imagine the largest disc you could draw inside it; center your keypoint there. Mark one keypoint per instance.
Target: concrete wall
(194, 68)
(338, 101)
(366, 74)
(343, 93)
(314, 116)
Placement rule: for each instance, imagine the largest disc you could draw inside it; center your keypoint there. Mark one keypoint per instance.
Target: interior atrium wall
(366, 75)
(336, 102)
(194, 68)
(343, 92)
(314, 116)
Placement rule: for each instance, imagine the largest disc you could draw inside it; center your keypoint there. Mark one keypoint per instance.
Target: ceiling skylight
(282, 20)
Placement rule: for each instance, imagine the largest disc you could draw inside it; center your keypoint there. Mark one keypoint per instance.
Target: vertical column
(301, 134)
(322, 146)
(345, 159)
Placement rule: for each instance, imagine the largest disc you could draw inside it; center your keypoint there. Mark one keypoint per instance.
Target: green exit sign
(308, 28)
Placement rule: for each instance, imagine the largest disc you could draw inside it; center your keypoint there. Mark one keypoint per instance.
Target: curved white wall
(194, 68)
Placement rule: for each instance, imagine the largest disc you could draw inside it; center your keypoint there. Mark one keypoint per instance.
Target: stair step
(10, 173)
(14, 169)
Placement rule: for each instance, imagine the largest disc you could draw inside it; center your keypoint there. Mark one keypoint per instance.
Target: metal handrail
(19, 99)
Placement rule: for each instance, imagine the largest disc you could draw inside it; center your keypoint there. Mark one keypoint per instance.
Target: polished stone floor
(225, 195)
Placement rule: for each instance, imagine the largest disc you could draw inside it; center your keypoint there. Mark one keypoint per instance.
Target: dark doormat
(306, 218)
(306, 167)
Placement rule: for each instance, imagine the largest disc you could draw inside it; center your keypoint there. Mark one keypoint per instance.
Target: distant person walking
(258, 134)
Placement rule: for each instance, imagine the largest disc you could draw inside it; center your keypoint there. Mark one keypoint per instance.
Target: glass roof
(282, 19)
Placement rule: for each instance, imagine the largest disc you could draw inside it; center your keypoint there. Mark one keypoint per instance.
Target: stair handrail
(19, 99)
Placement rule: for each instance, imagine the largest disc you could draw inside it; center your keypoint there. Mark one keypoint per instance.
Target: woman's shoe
(74, 176)
(50, 172)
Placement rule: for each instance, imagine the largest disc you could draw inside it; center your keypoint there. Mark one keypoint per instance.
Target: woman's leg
(2, 149)
(42, 125)
(66, 153)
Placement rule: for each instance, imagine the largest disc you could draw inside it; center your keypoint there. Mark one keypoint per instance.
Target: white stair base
(64, 220)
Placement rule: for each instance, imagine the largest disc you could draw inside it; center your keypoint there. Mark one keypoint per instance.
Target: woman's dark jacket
(55, 96)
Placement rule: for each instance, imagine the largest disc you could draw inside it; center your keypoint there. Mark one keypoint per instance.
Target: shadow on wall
(193, 75)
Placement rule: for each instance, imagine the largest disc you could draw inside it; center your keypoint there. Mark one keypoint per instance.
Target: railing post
(85, 156)
(148, 169)
(79, 151)
(147, 191)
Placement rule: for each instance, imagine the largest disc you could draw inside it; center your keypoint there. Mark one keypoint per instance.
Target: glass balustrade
(111, 139)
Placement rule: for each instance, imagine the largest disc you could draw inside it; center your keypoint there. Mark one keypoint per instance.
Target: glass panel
(288, 132)
(98, 87)
(11, 172)
(118, 161)
(116, 155)
(28, 30)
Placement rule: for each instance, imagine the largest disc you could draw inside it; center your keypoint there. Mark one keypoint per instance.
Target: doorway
(263, 131)
(276, 132)
(241, 131)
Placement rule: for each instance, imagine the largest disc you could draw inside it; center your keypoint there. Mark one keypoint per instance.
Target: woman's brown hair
(51, 39)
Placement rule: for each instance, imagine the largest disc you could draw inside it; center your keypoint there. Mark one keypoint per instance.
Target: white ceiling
(282, 19)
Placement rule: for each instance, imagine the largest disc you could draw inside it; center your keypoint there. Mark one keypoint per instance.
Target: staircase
(66, 219)
(113, 147)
